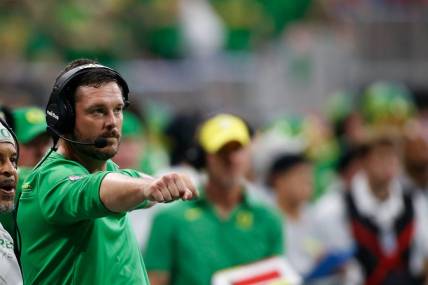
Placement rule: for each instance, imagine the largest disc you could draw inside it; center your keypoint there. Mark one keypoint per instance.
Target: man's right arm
(121, 193)
(77, 198)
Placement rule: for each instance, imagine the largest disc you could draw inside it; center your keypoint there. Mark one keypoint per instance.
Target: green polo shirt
(191, 242)
(68, 236)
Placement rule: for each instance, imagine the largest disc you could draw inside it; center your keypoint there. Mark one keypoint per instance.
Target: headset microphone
(99, 142)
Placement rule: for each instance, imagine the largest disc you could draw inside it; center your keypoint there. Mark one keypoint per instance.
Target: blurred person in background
(310, 134)
(31, 131)
(415, 158)
(132, 142)
(348, 165)
(415, 151)
(189, 242)
(376, 221)
(180, 137)
(76, 198)
(30, 126)
(179, 134)
(347, 122)
(10, 273)
(291, 178)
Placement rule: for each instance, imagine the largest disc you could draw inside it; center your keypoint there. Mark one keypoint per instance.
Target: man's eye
(98, 111)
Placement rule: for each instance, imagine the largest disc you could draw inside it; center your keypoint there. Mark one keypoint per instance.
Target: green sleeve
(73, 198)
(276, 234)
(137, 174)
(159, 250)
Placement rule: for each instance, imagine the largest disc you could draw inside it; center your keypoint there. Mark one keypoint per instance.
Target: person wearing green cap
(30, 128)
(9, 268)
(189, 242)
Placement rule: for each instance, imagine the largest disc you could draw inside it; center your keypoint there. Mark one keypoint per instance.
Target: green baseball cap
(30, 122)
(131, 126)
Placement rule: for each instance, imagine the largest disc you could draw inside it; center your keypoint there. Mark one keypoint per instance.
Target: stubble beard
(96, 153)
(227, 183)
(6, 206)
(93, 152)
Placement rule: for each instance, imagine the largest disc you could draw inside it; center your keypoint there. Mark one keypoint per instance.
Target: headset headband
(73, 73)
(60, 113)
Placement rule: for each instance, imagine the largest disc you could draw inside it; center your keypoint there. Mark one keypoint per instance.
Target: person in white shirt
(290, 177)
(10, 272)
(385, 225)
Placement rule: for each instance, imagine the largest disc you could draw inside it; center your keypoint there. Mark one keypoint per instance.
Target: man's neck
(89, 163)
(224, 199)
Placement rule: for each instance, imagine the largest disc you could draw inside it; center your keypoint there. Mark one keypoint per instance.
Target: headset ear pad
(60, 115)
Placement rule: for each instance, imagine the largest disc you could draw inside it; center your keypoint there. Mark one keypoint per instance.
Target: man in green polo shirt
(76, 198)
(189, 242)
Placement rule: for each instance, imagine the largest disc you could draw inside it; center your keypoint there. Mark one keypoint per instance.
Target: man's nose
(8, 169)
(111, 119)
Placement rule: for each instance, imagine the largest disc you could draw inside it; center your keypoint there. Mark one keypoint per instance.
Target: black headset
(60, 113)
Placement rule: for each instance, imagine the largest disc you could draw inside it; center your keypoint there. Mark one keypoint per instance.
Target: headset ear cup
(60, 116)
(53, 116)
(68, 117)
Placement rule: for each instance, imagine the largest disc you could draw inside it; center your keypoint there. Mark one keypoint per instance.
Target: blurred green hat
(309, 133)
(387, 102)
(131, 126)
(288, 126)
(340, 105)
(30, 122)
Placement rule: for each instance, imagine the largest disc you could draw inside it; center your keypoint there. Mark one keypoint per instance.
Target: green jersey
(67, 235)
(190, 241)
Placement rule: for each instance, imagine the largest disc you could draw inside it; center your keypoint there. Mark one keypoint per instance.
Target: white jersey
(10, 274)
(332, 224)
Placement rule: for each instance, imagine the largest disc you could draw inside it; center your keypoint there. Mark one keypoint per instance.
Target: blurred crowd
(62, 31)
(350, 183)
(139, 28)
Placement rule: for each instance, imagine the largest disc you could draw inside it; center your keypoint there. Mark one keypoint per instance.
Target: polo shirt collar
(246, 199)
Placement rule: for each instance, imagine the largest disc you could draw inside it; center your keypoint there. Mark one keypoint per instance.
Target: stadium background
(261, 59)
